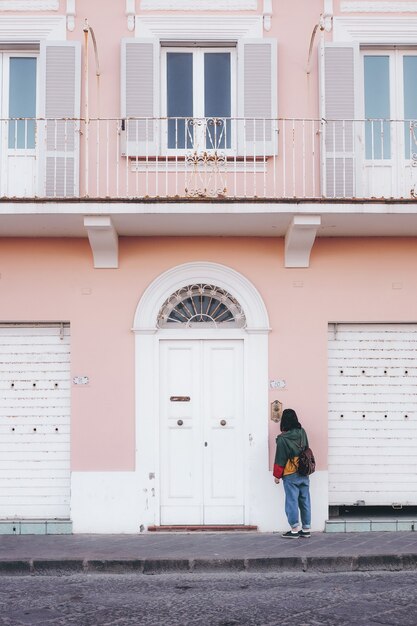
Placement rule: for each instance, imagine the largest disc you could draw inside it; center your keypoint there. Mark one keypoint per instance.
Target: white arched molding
(211, 273)
(259, 495)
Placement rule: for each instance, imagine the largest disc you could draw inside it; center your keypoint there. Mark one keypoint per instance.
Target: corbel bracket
(71, 15)
(326, 18)
(130, 13)
(103, 240)
(267, 14)
(299, 240)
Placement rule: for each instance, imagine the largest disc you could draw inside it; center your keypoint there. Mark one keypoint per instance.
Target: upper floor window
(390, 95)
(19, 98)
(198, 97)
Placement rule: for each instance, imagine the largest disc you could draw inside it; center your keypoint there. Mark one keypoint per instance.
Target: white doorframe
(255, 340)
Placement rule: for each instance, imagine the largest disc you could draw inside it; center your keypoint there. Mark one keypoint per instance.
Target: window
(19, 102)
(390, 94)
(198, 97)
(201, 305)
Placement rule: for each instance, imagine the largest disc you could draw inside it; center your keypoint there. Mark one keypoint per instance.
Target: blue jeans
(297, 496)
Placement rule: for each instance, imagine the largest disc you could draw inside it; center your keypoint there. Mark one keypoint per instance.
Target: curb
(323, 564)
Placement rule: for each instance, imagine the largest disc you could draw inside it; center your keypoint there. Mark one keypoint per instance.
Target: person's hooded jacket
(289, 445)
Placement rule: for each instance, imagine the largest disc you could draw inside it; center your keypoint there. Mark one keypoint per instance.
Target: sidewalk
(204, 552)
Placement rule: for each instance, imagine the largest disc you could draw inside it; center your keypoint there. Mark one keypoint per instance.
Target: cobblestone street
(224, 599)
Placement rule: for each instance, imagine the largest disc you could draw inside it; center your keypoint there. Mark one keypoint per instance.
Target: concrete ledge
(330, 563)
(57, 566)
(325, 564)
(391, 562)
(115, 566)
(165, 566)
(8, 568)
(214, 565)
(291, 563)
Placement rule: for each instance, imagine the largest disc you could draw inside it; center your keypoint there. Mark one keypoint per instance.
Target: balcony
(222, 159)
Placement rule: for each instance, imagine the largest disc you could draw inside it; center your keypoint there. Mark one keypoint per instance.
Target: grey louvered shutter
(257, 97)
(59, 145)
(338, 85)
(140, 97)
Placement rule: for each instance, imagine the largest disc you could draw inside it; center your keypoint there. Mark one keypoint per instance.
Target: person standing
(290, 442)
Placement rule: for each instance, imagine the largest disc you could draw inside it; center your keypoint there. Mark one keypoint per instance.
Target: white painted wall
(111, 502)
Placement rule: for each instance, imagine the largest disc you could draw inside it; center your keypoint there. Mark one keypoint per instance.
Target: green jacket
(289, 446)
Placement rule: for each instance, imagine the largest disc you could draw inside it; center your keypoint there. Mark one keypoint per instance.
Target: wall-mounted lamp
(276, 410)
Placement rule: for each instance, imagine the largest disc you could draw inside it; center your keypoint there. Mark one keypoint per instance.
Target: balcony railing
(204, 158)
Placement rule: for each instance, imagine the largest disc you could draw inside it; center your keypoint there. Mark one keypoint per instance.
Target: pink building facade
(205, 207)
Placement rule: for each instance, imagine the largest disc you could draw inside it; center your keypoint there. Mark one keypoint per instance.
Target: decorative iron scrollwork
(201, 305)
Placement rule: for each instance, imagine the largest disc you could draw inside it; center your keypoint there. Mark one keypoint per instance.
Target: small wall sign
(277, 384)
(80, 380)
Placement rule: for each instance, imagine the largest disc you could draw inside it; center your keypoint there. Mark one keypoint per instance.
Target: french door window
(390, 90)
(20, 101)
(198, 97)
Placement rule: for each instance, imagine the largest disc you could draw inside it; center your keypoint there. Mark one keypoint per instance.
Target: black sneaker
(290, 535)
(304, 533)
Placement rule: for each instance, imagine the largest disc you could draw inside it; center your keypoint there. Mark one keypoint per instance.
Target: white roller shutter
(34, 421)
(373, 414)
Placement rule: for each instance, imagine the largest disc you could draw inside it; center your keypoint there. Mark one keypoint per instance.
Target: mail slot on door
(180, 398)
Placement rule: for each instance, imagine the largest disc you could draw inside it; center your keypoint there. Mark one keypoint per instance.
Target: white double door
(201, 432)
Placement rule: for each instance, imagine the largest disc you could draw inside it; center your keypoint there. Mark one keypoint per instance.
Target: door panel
(201, 432)
(223, 479)
(180, 434)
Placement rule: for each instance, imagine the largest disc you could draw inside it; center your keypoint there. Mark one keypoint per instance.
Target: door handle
(223, 422)
(180, 422)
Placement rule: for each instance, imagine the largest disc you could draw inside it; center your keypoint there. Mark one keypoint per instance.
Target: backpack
(306, 461)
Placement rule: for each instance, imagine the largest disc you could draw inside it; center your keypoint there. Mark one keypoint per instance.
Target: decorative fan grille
(201, 305)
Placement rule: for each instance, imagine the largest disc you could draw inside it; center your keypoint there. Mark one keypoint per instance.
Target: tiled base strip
(391, 562)
(36, 527)
(360, 526)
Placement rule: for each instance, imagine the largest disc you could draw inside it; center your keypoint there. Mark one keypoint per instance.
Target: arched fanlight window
(201, 305)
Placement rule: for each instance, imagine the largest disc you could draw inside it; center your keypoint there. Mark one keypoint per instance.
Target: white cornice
(31, 28)
(198, 5)
(353, 6)
(212, 27)
(29, 5)
(375, 29)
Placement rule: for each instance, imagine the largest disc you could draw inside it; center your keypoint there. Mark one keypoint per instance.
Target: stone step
(200, 528)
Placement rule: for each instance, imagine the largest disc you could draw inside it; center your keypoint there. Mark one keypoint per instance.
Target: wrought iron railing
(208, 158)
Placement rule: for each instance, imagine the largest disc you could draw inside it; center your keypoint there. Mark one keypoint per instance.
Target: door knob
(180, 422)
(223, 422)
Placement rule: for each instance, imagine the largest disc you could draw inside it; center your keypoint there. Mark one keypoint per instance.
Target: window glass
(217, 98)
(377, 107)
(179, 98)
(22, 102)
(410, 104)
